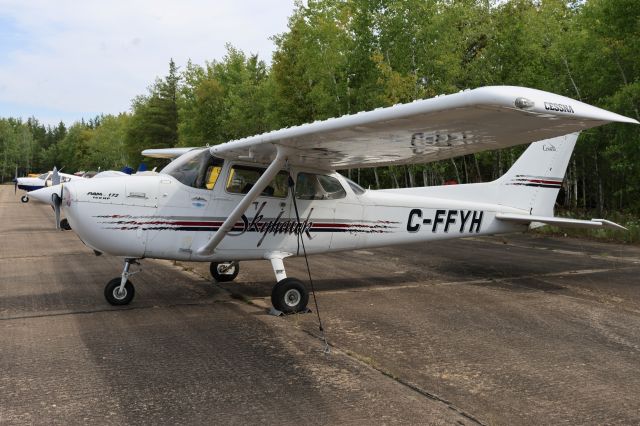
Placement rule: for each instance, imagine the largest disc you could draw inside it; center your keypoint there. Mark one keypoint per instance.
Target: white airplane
(30, 184)
(278, 194)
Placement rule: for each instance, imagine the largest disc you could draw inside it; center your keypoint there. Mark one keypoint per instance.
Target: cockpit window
(318, 187)
(197, 169)
(43, 176)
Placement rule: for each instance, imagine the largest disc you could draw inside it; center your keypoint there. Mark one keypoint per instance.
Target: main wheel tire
(24, 199)
(116, 298)
(64, 224)
(224, 271)
(290, 295)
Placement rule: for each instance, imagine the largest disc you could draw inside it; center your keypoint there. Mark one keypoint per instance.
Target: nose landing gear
(120, 291)
(24, 199)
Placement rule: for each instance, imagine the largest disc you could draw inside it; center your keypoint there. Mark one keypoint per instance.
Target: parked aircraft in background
(278, 194)
(29, 183)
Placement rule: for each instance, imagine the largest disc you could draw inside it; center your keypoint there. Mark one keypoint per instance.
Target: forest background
(344, 56)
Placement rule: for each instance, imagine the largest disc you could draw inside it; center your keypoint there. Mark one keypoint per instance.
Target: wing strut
(264, 180)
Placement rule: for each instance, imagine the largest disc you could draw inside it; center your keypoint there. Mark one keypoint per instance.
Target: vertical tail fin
(534, 180)
(531, 184)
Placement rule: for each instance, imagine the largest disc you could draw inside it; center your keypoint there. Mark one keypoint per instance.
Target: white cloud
(90, 57)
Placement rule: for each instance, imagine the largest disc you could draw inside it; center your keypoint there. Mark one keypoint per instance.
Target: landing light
(524, 103)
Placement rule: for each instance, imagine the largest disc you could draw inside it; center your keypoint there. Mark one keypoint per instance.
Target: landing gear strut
(289, 295)
(224, 271)
(120, 291)
(24, 199)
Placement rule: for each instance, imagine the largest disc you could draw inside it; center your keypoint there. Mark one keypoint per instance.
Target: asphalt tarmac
(505, 330)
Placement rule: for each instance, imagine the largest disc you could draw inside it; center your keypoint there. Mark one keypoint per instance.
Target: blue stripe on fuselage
(30, 188)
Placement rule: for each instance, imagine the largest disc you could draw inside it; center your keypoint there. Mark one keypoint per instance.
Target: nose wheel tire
(116, 297)
(24, 199)
(290, 295)
(224, 271)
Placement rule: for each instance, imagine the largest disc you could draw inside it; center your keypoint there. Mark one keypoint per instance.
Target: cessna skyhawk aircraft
(278, 194)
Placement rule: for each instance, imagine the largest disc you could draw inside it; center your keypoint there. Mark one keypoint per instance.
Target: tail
(533, 182)
(531, 185)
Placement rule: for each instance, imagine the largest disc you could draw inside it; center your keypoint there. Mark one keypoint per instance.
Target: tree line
(344, 56)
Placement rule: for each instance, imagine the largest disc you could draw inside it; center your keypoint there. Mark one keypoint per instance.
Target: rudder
(534, 180)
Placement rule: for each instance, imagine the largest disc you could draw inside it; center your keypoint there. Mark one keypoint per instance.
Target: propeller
(57, 203)
(15, 179)
(55, 177)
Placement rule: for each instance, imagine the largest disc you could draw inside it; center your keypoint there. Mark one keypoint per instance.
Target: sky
(66, 60)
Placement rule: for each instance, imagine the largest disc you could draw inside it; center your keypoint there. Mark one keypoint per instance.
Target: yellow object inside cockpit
(212, 176)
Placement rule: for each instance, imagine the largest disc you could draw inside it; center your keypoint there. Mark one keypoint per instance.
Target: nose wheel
(117, 296)
(120, 291)
(24, 199)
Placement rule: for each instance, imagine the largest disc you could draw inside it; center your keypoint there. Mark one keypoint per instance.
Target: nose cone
(45, 194)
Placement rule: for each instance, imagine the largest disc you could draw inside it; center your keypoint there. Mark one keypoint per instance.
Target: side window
(318, 187)
(357, 189)
(242, 178)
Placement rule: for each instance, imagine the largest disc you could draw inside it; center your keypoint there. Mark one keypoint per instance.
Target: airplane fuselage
(159, 217)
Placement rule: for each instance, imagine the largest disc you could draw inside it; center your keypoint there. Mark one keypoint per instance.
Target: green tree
(154, 122)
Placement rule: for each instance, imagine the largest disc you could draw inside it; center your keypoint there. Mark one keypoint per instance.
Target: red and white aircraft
(278, 194)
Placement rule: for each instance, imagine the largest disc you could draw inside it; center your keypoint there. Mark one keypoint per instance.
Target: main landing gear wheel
(290, 295)
(64, 224)
(224, 271)
(118, 297)
(24, 199)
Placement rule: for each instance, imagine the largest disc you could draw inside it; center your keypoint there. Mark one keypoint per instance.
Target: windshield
(43, 176)
(197, 168)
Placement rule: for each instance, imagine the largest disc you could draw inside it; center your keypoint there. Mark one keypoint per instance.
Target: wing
(171, 153)
(426, 130)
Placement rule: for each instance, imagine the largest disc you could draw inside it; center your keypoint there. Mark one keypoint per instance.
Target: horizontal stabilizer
(559, 221)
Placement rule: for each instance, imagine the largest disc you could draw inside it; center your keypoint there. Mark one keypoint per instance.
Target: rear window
(311, 186)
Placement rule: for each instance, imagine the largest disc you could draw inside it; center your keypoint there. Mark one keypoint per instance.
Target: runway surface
(504, 330)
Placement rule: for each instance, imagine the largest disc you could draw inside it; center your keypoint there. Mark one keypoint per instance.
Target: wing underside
(427, 130)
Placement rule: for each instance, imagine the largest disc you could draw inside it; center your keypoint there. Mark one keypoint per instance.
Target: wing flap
(559, 221)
